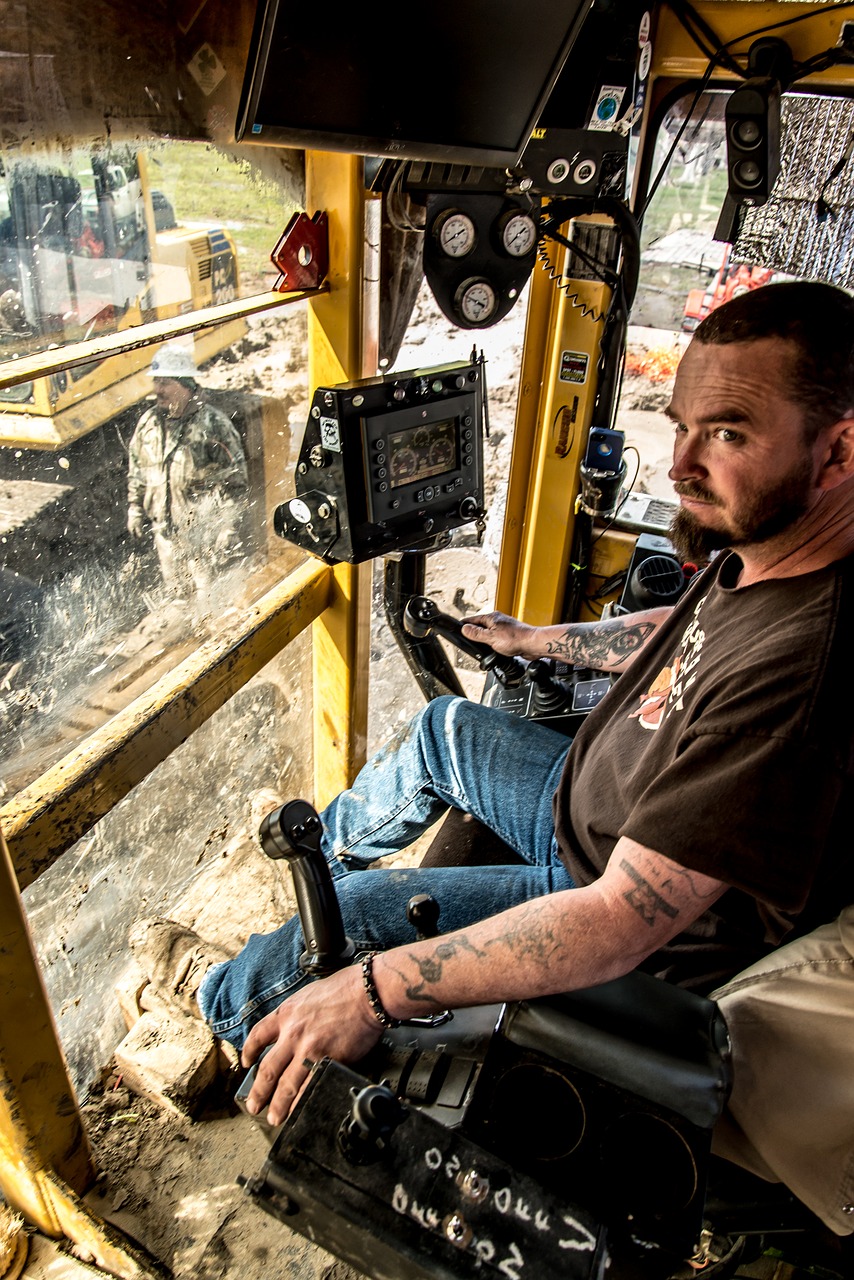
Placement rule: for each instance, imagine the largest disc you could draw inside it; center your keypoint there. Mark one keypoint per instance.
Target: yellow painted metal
(39, 1125)
(47, 817)
(609, 555)
(676, 56)
(553, 418)
(541, 302)
(45, 1162)
(341, 637)
(13, 372)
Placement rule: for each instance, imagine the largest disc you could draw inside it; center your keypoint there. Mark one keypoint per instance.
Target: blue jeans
(455, 753)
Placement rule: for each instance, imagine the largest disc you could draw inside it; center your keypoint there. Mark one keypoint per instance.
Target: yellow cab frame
(45, 1163)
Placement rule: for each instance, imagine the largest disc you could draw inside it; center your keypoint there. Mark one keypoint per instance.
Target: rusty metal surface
(47, 817)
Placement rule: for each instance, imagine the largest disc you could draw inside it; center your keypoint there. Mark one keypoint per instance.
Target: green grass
(695, 205)
(204, 185)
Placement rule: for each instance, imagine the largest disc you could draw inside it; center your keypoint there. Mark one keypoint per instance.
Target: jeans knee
(450, 716)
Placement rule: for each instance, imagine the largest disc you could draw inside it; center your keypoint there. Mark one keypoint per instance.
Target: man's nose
(687, 459)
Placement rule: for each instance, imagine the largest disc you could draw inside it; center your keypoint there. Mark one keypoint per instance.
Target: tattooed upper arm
(665, 896)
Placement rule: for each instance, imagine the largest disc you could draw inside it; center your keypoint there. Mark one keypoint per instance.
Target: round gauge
(441, 453)
(518, 232)
(475, 301)
(403, 465)
(456, 233)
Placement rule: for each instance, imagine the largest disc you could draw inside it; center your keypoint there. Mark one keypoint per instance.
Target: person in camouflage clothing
(187, 478)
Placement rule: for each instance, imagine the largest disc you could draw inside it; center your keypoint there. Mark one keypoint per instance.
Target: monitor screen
(419, 453)
(462, 81)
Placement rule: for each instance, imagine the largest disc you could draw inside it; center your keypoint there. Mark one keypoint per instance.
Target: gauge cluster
(479, 250)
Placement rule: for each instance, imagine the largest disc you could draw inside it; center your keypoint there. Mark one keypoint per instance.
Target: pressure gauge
(475, 301)
(518, 233)
(455, 233)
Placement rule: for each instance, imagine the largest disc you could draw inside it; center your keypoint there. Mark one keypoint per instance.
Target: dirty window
(93, 241)
(137, 491)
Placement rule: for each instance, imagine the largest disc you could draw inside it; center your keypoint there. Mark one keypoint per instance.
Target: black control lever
(293, 832)
(421, 617)
(551, 695)
(423, 912)
(373, 1118)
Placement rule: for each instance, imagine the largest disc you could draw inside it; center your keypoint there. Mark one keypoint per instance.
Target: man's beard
(763, 516)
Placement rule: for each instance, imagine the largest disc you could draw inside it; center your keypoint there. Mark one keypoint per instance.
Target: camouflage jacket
(176, 462)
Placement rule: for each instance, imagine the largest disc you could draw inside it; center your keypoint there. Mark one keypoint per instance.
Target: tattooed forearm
(601, 645)
(431, 968)
(530, 937)
(643, 899)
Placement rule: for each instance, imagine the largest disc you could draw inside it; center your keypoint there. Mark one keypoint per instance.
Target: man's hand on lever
(559, 942)
(329, 1018)
(604, 646)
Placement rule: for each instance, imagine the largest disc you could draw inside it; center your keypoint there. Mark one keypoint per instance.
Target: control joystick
(421, 618)
(552, 697)
(293, 832)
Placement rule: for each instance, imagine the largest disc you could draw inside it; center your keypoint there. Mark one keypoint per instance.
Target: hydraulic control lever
(421, 617)
(293, 832)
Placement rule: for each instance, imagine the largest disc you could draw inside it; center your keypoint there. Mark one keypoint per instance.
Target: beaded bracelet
(379, 1011)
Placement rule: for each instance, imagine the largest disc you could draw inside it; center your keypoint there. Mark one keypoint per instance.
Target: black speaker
(654, 577)
(753, 139)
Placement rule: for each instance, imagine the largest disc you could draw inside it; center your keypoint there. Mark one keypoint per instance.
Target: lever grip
(421, 617)
(293, 832)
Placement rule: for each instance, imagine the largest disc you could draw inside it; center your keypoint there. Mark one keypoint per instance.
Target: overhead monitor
(462, 81)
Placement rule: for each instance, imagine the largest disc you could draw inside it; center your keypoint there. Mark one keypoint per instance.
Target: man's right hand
(505, 635)
(136, 522)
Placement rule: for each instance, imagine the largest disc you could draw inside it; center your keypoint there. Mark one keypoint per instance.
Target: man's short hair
(819, 320)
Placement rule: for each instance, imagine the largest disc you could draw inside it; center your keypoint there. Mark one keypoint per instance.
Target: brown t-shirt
(728, 748)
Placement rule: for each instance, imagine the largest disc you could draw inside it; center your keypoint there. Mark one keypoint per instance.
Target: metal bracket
(302, 253)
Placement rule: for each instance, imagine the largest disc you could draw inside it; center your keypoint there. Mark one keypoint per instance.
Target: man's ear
(838, 464)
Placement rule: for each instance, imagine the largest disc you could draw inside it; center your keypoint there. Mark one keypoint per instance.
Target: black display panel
(460, 80)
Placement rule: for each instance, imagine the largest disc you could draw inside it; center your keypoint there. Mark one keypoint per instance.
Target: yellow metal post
(44, 1155)
(557, 393)
(341, 637)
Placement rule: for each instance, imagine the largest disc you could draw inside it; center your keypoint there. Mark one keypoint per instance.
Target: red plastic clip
(302, 253)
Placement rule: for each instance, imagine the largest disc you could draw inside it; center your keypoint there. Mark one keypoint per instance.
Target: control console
(388, 463)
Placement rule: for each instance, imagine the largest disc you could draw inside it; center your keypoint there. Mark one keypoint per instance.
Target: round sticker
(643, 32)
(644, 61)
(606, 109)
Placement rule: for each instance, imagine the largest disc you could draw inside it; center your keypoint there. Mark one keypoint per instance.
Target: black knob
(422, 912)
(468, 508)
(373, 1118)
(294, 832)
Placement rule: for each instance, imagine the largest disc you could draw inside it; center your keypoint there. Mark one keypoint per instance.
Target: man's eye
(728, 436)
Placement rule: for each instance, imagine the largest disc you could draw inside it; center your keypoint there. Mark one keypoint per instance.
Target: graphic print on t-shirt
(650, 713)
(668, 688)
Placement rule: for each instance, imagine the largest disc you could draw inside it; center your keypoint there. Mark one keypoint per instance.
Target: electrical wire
(630, 448)
(395, 212)
(721, 56)
(823, 208)
(566, 283)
